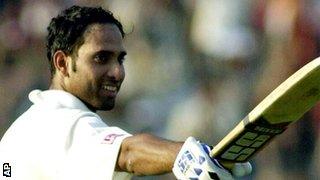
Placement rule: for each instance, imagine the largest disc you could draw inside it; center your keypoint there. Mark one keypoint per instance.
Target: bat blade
(283, 106)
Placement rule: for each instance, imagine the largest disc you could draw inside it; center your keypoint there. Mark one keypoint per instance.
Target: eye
(101, 58)
(121, 60)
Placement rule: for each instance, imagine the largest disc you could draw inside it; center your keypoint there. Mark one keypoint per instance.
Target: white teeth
(109, 88)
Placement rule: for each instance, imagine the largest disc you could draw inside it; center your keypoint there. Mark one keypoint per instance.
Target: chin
(106, 106)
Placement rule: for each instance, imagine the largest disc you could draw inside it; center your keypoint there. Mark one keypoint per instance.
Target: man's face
(98, 71)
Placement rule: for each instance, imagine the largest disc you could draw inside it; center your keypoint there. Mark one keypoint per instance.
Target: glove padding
(194, 162)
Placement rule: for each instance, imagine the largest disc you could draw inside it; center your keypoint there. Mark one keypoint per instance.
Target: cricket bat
(271, 117)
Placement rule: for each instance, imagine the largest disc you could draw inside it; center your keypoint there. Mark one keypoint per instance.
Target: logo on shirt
(110, 138)
(6, 170)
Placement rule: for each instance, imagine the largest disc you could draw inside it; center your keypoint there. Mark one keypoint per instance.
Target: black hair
(65, 32)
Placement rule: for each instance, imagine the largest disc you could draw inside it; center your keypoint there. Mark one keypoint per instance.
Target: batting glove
(194, 163)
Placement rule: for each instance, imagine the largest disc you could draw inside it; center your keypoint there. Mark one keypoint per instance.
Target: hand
(194, 162)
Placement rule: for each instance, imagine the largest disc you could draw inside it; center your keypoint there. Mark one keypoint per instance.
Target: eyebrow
(122, 53)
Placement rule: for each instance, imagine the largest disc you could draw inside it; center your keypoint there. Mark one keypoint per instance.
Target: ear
(60, 60)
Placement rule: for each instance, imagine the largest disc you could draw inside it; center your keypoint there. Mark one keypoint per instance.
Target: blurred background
(194, 68)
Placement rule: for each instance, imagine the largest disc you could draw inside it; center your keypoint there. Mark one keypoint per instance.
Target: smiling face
(96, 71)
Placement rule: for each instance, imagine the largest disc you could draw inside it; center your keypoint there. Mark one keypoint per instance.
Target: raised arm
(145, 154)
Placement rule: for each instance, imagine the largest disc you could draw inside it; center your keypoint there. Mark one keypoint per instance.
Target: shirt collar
(57, 98)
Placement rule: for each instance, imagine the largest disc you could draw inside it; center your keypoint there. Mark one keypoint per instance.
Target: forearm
(145, 154)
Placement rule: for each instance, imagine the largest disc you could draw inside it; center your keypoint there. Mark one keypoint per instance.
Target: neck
(59, 85)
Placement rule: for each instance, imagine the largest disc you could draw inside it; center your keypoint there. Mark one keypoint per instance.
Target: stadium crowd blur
(194, 67)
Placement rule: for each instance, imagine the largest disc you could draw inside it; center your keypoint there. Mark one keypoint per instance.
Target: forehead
(99, 37)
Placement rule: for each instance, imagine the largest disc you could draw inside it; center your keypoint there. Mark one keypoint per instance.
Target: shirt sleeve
(92, 150)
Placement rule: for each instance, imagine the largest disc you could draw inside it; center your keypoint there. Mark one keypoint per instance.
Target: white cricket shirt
(59, 138)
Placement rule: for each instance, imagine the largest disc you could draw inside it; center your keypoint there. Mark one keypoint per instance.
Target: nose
(116, 72)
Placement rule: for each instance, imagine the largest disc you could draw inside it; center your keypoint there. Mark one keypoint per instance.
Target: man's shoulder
(47, 114)
(52, 124)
